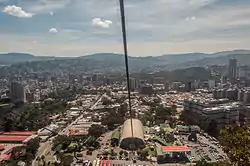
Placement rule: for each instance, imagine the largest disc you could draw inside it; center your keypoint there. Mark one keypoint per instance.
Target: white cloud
(156, 31)
(51, 13)
(16, 11)
(101, 23)
(53, 30)
(190, 18)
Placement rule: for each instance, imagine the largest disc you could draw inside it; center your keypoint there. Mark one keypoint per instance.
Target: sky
(154, 27)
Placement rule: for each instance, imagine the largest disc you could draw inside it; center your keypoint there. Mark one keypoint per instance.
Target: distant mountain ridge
(13, 58)
(110, 62)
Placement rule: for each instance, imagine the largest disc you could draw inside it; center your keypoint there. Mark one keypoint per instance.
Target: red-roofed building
(6, 154)
(172, 154)
(109, 163)
(5, 157)
(20, 133)
(104, 163)
(12, 139)
(175, 149)
(101, 162)
(2, 147)
(81, 133)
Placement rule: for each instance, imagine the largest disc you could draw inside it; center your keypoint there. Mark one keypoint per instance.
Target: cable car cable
(124, 36)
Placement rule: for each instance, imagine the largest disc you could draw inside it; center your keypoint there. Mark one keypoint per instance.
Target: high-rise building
(232, 69)
(146, 89)
(17, 92)
(223, 79)
(188, 86)
(167, 86)
(134, 84)
(211, 84)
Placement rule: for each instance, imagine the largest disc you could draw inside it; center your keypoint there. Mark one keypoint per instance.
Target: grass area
(160, 140)
(116, 134)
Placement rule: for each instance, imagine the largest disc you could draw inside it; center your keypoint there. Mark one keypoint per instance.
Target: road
(65, 131)
(44, 148)
(94, 105)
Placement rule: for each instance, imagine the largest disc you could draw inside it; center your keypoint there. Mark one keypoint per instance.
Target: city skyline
(76, 28)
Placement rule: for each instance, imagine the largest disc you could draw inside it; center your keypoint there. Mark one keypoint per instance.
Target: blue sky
(155, 27)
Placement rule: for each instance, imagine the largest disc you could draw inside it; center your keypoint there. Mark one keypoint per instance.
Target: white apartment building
(223, 114)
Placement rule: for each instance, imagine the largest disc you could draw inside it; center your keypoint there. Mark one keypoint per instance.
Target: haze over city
(77, 27)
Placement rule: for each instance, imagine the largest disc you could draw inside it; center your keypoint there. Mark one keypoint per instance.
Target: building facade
(17, 92)
(132, 135)
(232, 69)
(223, 113)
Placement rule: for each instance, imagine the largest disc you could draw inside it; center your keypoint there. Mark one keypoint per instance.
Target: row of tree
(24, 153)
(114, 117)
(32, 116)
(159, 114)
(236, 142)
(209, 126)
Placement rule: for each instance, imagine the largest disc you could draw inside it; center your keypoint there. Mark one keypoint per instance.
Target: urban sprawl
(49, 119)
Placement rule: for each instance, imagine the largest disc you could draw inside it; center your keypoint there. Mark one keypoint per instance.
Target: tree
(157, 115)
(192, 137)
(11, 162)
(174, 109)
(125, 153)
(92, 143)
(61, 140)
(112, 152)
(89, 152)
(123, 110)
(203, 162)
(106, 101)
(120, 100)
(8, 123)
(30, 117)
(213, 128)
(43, 159)
(33, 145)
(169, 137)
(144, 154)
(59, 156)
(96, 130)
(236, 142)
(67, 159)
(112, 118)
(157, 100)
(121, 153)
(148, 118)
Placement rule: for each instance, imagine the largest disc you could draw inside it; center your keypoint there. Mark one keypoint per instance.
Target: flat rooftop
(22, 133)
(175, 149)
(11, 138)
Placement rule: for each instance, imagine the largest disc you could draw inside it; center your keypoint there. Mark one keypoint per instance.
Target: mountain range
(115, 62)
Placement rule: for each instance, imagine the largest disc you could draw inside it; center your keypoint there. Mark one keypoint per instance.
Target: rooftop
(175, 149)
(8, 138)
(2, 147)
(23, 133)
